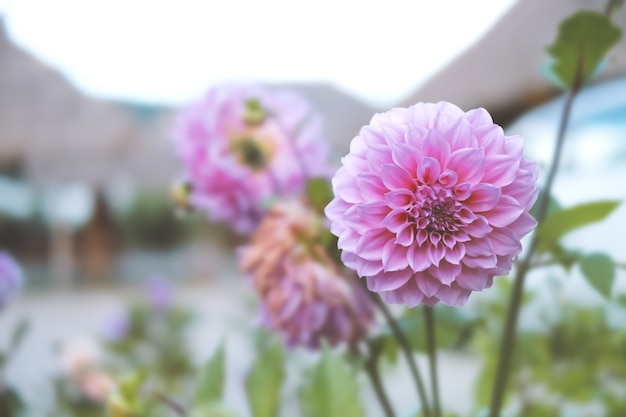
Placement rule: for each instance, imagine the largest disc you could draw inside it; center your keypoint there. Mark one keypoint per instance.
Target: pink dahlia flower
(431, 203)
(11, 279)
(303, 295)
(242, 146)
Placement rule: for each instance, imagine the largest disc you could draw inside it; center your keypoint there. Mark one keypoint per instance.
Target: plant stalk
(371, 367)
(408, 353)
(431, 341)
(510, 329)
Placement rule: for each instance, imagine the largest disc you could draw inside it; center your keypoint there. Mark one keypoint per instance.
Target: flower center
(250, 153)
(440, 215)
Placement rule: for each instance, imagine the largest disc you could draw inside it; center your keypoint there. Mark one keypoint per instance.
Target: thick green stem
(405, 346)
(431, 341)
(507, 344)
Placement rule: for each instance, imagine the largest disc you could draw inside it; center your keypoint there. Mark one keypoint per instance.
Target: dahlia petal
(500, 170)
(399, 199)
(524, 194)
(393, 134)
(389, 280)
(413, 136)
(418, 258)
(478, 228)
(514, 146)
(453, 296)
(428, 170)
(505, 212)
(480, 262)
(478, 117)
(365, 268)
(469, 164)
(421, 236)
(372, 242)
(396, 220)
(352, 165)
(378, 155)
(523, 224)
(352, 219)
(372, 136)
(436, 253)
(472, 279)
(395, 177)
(348, 190)
(409, 295)
(372, 214)
(448, 178)
(406, 237)
(462, 191)
(491, 138)
(434, 145)
(348, 241)
(505, 242)
(455, 254)
(479, 247)
(460, 135)
(445, 273)
(371, 187)
(395, 257)
(484, 197)
(406, 156)
(427, 284)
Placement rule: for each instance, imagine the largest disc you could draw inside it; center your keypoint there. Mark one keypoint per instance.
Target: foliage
(582, 42)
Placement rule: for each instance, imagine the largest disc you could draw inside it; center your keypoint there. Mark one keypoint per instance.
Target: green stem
(510, 328)
(371, 368)
(405, 346)
(431, 341)
(171, 404)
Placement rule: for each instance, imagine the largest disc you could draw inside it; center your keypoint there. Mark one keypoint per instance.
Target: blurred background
(89, 91)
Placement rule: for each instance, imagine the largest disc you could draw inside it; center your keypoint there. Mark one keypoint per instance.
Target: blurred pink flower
(242, 146)
(11, 279)
(81, 363)
(431, 203)
(303, 295)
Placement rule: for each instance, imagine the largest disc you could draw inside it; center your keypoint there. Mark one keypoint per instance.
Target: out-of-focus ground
(224, 312)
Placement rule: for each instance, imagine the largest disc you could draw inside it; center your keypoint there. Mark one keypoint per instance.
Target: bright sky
(170, 51)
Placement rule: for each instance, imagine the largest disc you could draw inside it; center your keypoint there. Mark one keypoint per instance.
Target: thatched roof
(502, 71)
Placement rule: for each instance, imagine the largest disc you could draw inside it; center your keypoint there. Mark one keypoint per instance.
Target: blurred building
(81, 158)
(505, 71)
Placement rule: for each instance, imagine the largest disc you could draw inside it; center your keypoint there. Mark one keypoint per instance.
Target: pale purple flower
(159, 292)
(431, 203)
(117, 326)
(303, 295)
(11, 279)
(242, 146)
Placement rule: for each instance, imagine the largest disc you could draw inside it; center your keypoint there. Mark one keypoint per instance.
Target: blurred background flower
(303, 295)
(10, 278)
(243, 146)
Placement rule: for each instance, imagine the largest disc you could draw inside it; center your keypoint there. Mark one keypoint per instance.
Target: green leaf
(264, 382)
(599, 270)
(319, 192)
(561, 222)
(583, 40)
(331, 390)
(211, 383)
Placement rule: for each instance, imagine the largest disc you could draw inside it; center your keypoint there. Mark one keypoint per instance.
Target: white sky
(170, 51)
